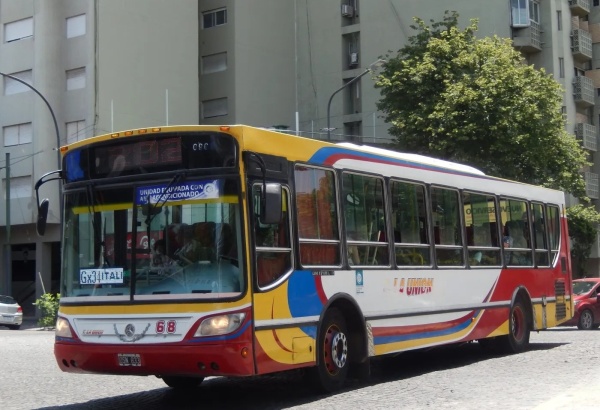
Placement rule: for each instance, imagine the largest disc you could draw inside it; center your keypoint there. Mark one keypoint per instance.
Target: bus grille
(561, 306)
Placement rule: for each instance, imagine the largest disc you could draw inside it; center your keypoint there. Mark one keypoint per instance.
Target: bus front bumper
(200, 360)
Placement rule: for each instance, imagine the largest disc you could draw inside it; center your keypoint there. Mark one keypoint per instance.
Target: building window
(596, 3)
(559, 20)
(15, 87)
(76, 79)
(18, 30)
(519, 13)
(214, 108)
(214, 63)
(75, 131)
(561, 67)
(17, 134)
(20, 187)
(76, 26)
(214, 18)
(534, 11)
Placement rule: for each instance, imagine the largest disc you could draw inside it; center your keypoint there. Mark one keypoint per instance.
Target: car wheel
(586, 320)
(14, 327)
(332, 350)
(182, 383)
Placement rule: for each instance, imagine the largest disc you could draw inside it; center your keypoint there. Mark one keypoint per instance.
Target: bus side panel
(286, 324)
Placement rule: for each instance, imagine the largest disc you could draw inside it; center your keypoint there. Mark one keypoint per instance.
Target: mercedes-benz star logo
(130, 330)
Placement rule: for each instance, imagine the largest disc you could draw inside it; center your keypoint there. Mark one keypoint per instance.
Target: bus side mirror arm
(42, 207)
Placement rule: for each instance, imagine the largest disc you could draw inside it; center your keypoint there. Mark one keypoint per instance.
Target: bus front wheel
(332, 350)
(182, 383)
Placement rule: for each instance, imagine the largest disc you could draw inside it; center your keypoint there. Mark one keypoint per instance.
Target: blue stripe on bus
(323, 154)
(303, 299)
(380, 340)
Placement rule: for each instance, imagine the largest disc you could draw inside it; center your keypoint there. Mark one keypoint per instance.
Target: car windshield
(166, 240)
(7, 300)
(582, 287)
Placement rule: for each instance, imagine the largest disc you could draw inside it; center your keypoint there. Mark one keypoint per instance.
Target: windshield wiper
(151, 212)
(99, 232)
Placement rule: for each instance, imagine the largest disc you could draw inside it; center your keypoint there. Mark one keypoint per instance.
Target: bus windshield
(173, 240)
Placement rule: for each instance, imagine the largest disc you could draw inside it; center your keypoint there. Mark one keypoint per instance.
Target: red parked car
(586, 294)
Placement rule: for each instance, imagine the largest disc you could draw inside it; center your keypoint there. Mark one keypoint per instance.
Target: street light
(371, 68)
(49, 108)
(8, 246)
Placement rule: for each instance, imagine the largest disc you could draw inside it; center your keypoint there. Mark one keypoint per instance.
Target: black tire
(14, 327)
(586, 320)
(517, 339)
(182, 383)
(332, 353)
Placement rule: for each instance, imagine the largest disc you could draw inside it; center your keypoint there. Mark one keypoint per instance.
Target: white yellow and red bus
(282, 252)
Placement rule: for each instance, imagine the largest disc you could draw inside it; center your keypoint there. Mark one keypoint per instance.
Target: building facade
(112, 65)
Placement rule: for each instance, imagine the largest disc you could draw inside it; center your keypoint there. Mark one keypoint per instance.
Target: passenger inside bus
(159, 255)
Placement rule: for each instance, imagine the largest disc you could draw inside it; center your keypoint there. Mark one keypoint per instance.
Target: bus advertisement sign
(189, 190)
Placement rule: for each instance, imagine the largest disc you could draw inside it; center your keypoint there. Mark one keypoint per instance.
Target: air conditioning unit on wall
(353, 59)
(347, 10)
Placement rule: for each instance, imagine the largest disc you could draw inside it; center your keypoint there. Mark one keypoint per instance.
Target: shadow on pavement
(290, 389)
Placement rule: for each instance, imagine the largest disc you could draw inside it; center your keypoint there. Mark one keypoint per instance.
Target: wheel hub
(336, 350)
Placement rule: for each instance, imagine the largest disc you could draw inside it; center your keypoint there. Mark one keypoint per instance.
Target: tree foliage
(472, 100)
(583, 221)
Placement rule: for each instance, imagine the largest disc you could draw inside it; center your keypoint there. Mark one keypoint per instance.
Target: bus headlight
(62, 328)
(220, 325)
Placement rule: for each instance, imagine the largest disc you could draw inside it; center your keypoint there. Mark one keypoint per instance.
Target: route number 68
(166, 326)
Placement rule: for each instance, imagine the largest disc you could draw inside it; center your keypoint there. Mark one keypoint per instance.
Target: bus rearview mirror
(42, 217)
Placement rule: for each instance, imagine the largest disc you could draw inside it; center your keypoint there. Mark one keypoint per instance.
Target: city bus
(197, 251)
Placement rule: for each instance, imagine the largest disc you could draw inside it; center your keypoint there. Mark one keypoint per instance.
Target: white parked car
(11, 314)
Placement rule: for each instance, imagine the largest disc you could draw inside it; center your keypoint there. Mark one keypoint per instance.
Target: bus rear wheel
(517, 339)
(332, 350)
(182, 383)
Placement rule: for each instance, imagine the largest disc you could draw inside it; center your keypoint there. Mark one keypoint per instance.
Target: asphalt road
(559, 372)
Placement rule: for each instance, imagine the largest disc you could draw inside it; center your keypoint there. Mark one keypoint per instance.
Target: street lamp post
(49, 108)
(8, 246)
(369, 69)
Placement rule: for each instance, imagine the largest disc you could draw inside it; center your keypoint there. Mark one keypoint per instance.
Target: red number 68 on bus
(166, 326)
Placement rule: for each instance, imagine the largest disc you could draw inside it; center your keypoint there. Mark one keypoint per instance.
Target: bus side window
(409, 221)
(482, 237)
(273, 249)
(317, 216)
(365, 220)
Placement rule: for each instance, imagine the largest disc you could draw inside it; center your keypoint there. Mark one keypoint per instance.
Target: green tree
(583, 221)
(48, 306)
(472, 100)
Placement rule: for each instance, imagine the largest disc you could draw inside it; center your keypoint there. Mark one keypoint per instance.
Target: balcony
(591, 185)
(579, 7)
(586, 133)
(583, 91)
(527, 39)
(581, 45)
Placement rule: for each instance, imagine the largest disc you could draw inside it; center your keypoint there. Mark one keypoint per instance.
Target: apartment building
(111, 65)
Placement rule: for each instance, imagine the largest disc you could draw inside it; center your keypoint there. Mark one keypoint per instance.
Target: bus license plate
(129, 359)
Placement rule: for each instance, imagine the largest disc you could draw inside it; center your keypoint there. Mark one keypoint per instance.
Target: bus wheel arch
(341, 340)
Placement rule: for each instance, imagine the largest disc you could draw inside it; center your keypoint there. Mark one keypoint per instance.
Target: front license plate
(129, 359)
